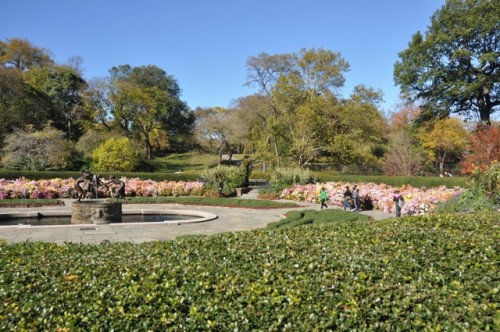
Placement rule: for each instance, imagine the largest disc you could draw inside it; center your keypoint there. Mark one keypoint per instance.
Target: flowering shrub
(63, 188)
(417, 200)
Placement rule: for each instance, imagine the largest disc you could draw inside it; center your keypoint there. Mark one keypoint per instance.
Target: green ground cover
(212, 201)
(28, 202)
(428, 273)
(308, 217)
(207, 201)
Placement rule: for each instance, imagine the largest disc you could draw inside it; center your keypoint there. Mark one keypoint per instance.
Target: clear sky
(205, 44)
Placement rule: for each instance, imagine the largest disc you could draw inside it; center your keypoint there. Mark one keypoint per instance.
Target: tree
(20, 104)
(455, 67)
(20, 54)
(37, 150)
(63, 87)
(146, 102)
(443, 139)
(294, 83)
(359, 129)
(403, 157)
(115, 154)
(483, 150)
(213, 130)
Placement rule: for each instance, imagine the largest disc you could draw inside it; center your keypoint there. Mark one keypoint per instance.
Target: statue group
(90, 185)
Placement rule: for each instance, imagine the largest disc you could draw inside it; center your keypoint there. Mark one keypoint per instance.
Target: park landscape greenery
(313, 270)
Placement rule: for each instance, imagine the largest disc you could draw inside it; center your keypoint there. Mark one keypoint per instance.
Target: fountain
(92, 209)
(95, 212)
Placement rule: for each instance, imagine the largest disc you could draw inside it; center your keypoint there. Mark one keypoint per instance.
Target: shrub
(283, 178)
(232, 177)
(115, 154)
(482, 195)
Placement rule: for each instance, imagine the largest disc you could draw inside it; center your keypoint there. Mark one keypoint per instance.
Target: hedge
(415, 181)
(422, 273)
(42, 175)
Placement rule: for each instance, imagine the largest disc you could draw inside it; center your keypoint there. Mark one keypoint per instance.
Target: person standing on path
(323, 197)
(347, 196)
(355, 198)
(399, 202)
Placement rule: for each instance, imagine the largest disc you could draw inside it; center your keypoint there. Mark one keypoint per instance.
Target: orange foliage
(483, 150)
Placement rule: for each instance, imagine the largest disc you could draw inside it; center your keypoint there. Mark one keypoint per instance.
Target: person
(355, 198)
(399, 202)
(347, 197)
(220, 188)
(323, 197)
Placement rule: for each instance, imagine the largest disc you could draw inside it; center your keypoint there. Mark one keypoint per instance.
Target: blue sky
(205, 44)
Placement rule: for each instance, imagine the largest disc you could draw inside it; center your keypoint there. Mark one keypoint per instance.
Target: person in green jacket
(323, 197)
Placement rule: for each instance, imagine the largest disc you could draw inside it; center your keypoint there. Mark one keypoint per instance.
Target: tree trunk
(149, 149)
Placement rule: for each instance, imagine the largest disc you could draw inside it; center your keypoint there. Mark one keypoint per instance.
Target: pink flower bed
(417, 200)
(63, 188)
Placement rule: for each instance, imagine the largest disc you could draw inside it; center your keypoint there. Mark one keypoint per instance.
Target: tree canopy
(455, 66)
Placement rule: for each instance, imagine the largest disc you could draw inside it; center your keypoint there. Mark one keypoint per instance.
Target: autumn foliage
(484, 149)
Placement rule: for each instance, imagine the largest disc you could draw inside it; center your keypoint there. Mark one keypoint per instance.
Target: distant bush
(232, 177)
(482, 195)
(13, 175)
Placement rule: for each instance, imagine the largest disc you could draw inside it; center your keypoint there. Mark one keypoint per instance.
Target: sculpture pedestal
(96, 212)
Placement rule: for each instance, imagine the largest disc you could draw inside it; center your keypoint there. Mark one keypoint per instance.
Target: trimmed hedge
(396, 181)
(213, 201)
(415, 181)
(307, 217)
(12, 175)
(422, 273)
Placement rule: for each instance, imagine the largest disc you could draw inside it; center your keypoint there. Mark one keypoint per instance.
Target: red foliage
(483, 150)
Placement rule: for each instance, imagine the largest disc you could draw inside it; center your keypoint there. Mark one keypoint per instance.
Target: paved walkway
(229, 220)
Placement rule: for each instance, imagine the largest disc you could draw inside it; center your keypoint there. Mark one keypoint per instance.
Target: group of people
(352, 200)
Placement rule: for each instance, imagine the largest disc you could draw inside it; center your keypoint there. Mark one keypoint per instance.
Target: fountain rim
(202, 216)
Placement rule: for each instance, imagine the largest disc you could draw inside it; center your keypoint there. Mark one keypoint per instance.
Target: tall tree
(292, 81)
(20, 103)
(455, 67)
(146, 101)
(212, 131)
(443, 139)
(403, 157)
(63, 86)
(22, 55)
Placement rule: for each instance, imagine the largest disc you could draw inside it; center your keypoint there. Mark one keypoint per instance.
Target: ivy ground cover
(417, 200)
(427, 273)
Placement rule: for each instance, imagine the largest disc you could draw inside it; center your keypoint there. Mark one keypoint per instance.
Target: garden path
(229, 220)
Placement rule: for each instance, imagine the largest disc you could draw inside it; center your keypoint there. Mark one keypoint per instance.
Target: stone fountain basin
(197, 216)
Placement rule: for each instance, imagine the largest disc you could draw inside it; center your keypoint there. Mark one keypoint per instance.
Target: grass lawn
(186, 162)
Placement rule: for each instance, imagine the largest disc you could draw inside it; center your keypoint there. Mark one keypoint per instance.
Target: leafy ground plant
(213, 201)
(426, 273)
(307, 217)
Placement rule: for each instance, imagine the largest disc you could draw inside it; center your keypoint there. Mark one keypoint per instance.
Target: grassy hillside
(435, 273)
(186, 162)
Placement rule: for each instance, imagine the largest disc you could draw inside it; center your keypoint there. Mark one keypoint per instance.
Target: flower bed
(417, 200)
(63, 188)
